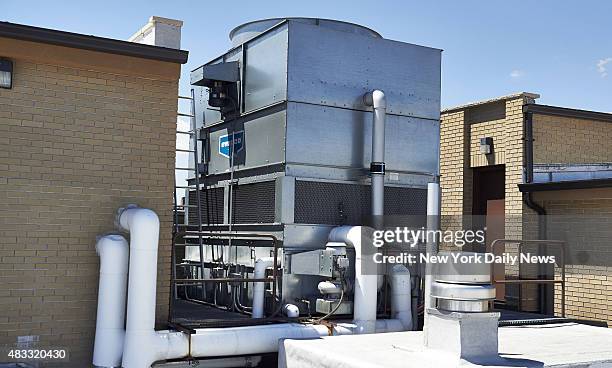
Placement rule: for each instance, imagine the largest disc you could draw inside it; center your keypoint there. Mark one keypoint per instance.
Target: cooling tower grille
(348, 204)
(211, 206)
(254, 203)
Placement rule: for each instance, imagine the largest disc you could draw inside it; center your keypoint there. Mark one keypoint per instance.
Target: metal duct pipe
(143, 225)
(110, 333)
(377, 100)
(259, 288)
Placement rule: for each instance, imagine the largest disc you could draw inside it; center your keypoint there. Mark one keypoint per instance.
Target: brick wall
(582, 219)
(460, 132)
(81, 134)
(494, 129)
(568, 140)
(557, 140)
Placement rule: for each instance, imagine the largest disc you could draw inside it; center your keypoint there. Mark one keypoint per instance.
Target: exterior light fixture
(486, 145)
(6, 73)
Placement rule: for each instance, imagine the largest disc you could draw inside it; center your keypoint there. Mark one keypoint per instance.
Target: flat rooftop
(558, 345)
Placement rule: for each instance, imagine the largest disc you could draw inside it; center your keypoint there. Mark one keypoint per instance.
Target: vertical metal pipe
(196, 158)
(433, 224)
(377, 100)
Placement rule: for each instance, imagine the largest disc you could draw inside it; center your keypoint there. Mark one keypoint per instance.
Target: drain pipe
(143, 345)
(110, 333)
(376, 99)
(259, 288)
(545, 295)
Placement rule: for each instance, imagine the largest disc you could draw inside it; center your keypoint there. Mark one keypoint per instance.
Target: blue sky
(561, 50)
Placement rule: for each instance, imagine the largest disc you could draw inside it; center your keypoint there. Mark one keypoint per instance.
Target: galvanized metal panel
(265, 70)
(334, 137)
(332, 68)
(264, 139)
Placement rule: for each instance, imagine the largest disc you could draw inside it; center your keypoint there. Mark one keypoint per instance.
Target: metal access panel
(265, 69)
(332, 68)
(262, 142)
(340, 138)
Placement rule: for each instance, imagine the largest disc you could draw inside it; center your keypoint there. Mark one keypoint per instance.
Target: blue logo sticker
(225, 143)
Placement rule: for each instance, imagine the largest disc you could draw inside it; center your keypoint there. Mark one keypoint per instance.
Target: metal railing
(201, 238)
(520, 282)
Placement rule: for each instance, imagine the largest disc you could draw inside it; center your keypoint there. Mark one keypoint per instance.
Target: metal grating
(405, 201)
(212, 213)
(254, 203)
(348, 204)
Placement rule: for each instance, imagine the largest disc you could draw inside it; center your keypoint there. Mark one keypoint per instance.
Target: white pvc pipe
(259, 288)
(231, 341)
(110, 333)
(382, 326)
(401, 296)
(365, 290)
(377, 100)
(143, 345)
(433, 223)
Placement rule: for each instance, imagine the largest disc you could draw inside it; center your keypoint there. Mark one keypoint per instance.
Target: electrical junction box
(316, 262)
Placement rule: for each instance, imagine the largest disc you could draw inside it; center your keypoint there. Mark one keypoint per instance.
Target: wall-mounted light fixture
(6, 73)
(486, 145)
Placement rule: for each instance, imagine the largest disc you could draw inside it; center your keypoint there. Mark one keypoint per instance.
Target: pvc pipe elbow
(133, 216)
(376, 99)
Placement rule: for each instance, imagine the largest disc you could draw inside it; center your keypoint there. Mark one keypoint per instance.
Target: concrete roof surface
(559, 345)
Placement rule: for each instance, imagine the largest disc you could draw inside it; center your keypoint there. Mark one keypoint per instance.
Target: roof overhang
(566, 112)
(565, 185)
(93, 43)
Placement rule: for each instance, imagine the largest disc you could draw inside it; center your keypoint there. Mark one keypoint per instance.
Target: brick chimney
(160, 32)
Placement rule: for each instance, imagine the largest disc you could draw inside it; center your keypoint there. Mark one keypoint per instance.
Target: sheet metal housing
(306, 135)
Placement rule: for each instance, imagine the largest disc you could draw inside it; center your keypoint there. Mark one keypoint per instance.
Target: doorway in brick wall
(488, 212)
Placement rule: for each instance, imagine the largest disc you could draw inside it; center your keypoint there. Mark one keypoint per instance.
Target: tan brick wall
(569, 140)
(582, 218)
(81, 134)
(453, 165)
(460, 154)
(455, 175)
(497, 131)
(557, 140)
